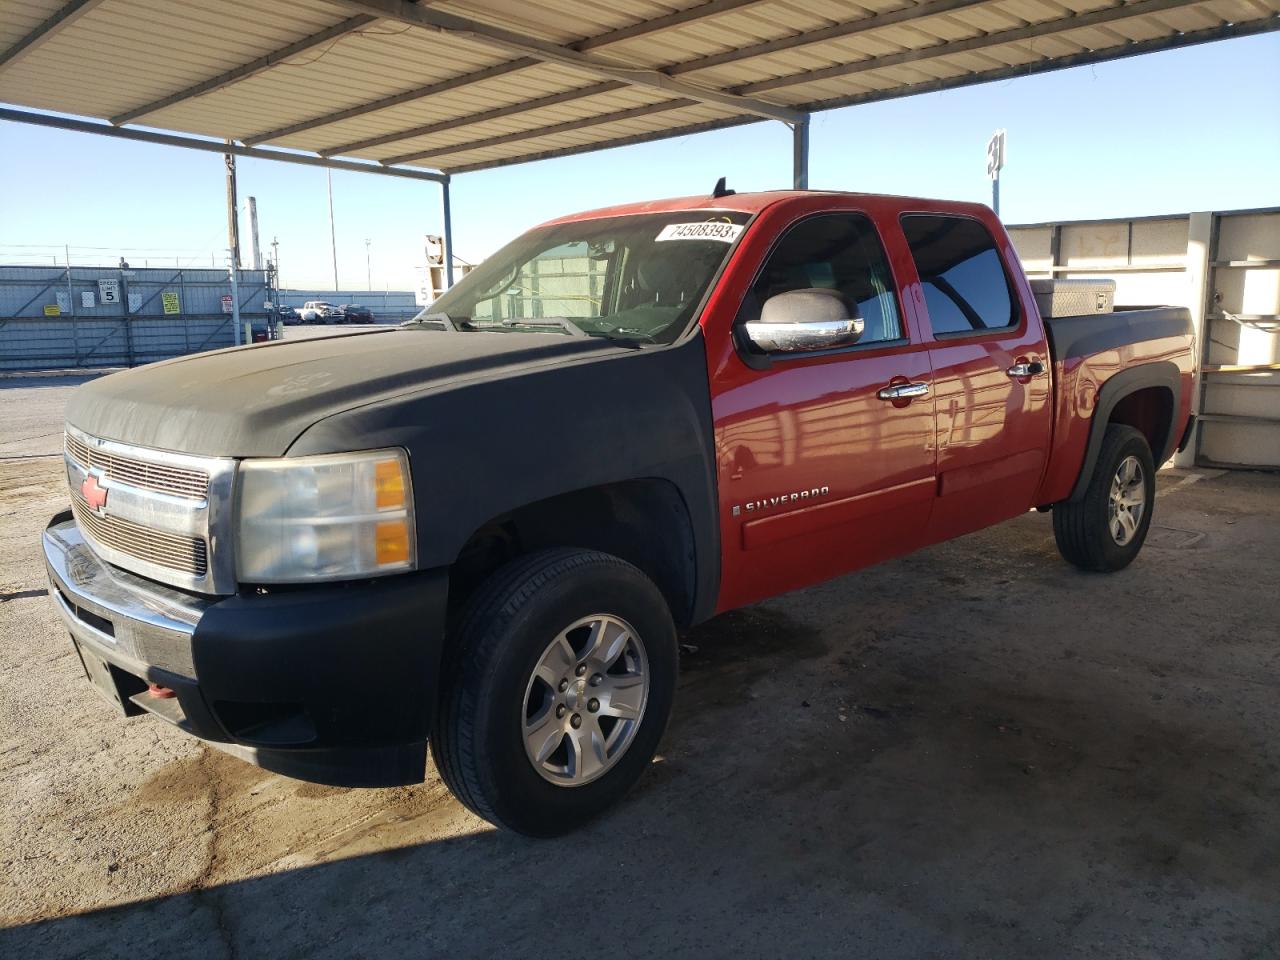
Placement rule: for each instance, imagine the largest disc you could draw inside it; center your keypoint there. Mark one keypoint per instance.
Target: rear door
(822, 469)
(990, 365)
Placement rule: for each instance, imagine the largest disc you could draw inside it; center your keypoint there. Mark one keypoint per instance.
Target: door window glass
(839, 252)
(965, 286)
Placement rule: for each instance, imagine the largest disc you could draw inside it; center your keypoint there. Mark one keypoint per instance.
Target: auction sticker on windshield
(714, 230)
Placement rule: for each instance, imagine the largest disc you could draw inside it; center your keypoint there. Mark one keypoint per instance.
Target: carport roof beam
(643, 28)
(63, 17)
(497, 113)
(408, 96)
(247, 70)
(214, 146)
(707, 126)
(1130, 48)
(837, 31)
(566, 127)
(1084, 58)
(402, 11)
(640, 29)
(1079, 21)
(833, 32)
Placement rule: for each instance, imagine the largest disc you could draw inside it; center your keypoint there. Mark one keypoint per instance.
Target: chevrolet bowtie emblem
(94, 494)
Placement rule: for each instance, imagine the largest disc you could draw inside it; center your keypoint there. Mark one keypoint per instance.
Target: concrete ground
(972, 752)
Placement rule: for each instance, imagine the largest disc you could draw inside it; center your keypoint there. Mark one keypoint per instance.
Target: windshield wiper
(443, 319)
(619, 340)
(563, 322)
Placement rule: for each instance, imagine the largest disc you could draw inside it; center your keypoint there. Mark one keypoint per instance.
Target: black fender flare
(1162, 373)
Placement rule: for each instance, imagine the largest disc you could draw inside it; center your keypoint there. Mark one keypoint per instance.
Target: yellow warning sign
(171, 304)
(52, 310)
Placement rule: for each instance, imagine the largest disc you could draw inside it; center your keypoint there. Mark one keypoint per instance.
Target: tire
(1090, 535)
(492, 701)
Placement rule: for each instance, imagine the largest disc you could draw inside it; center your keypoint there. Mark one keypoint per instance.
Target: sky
(1192, 129)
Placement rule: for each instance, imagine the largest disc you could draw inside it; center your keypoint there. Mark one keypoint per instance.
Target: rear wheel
(1105, 530)
(557, 688)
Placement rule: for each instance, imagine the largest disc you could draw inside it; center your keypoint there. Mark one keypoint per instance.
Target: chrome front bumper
(128, 632)
(115, 612)
(335, 684)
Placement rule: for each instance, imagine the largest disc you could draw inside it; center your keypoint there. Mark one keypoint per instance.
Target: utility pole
(233, 219)
(255, 247)
(333, 236)
(234, 271)
(368, 270)
(275, 257)
(995, 162)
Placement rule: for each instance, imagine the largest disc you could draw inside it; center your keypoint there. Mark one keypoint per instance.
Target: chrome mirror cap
(802, 320)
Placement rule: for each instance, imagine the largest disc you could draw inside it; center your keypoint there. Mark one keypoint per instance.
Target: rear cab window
(966, 288)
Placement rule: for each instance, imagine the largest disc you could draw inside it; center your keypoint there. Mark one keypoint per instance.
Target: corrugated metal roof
(468, 84)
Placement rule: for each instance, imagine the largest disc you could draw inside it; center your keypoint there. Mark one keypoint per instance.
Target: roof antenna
(721, 190)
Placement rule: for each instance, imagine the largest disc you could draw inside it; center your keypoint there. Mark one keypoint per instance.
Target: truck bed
(1085, 335)
(1101, 358)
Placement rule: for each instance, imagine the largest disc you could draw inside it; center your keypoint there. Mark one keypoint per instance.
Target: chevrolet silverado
(482, 530)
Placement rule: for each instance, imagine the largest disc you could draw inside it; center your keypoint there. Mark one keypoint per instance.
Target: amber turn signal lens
(389, 485)
(391, 542)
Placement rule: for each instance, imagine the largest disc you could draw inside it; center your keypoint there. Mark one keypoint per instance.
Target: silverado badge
(767, 503)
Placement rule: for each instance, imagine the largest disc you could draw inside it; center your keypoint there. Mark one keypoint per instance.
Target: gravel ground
(971, 752)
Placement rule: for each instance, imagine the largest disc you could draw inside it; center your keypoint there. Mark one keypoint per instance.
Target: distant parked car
(288, 316)
(318, 311)
(355, 313)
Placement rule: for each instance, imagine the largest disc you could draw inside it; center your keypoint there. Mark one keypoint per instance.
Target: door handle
(903, 391)
(1024, 369)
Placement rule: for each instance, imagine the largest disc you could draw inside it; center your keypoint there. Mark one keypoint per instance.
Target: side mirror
(803, 320)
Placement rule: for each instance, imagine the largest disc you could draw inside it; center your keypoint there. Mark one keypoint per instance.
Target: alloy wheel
(585, 700)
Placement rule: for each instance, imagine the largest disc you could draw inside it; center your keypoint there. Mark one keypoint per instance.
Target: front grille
(177, 552)
(176, 481)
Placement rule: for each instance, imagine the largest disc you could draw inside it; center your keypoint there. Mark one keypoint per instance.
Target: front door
(825, 459)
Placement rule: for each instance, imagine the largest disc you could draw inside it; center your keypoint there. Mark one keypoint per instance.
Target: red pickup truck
(484, 528)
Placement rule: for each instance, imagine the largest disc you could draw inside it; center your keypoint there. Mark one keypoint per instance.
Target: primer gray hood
(255, 401)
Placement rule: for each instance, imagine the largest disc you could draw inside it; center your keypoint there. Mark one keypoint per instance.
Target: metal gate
(57, 317)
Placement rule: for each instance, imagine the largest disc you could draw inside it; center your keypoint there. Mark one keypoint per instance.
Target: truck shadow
(885, 794)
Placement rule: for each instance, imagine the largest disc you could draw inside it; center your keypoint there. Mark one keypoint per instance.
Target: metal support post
(128, 320)
(235, 302)
(800, 154)
(182, 311)
(448, 233)
(995, 193)
(1199, 255)
(71, 299)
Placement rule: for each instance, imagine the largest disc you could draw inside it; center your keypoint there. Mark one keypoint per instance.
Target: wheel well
(644, 522)
(1150, 411)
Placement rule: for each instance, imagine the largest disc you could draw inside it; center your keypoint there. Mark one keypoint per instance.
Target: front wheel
(557, 688)
(1103, 531)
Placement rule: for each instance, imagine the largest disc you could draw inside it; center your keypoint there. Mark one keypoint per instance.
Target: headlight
(325, 518)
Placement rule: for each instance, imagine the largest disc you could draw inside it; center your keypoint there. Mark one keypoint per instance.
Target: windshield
(639, 277)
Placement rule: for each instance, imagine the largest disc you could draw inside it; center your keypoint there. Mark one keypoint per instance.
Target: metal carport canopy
(460, 86)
